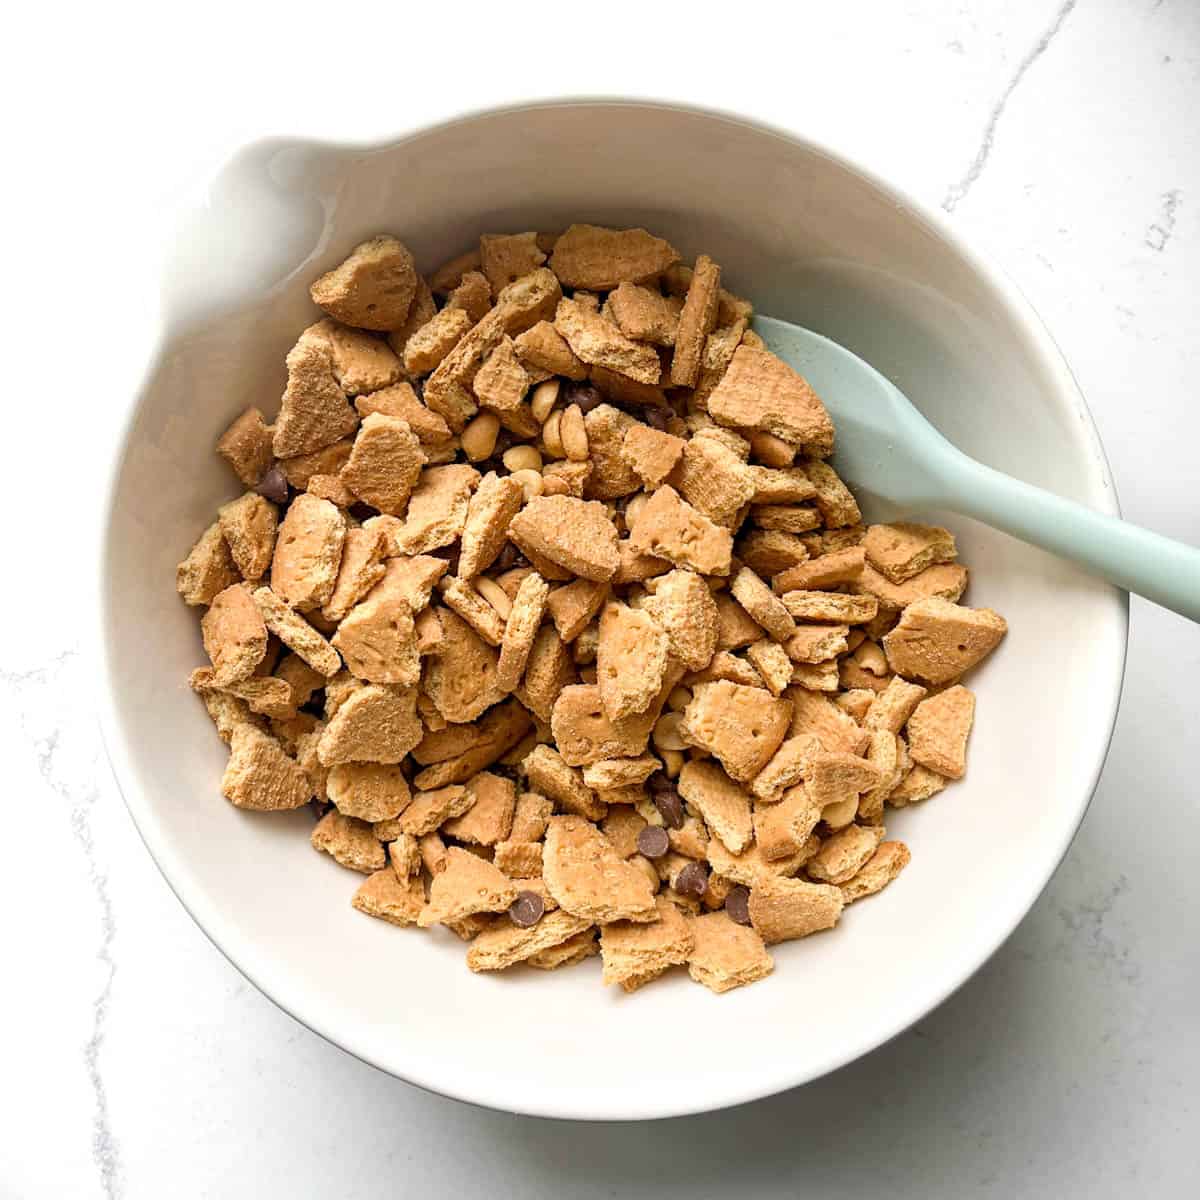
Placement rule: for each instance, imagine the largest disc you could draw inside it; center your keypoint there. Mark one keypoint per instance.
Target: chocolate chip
(668, 803)
(586, 395)
(737, 905)
(418, 386)
(362, 512)
(653, 841)
(273, 486)
(507, 558)
(692, 880)
(657, 418)
(526, 909)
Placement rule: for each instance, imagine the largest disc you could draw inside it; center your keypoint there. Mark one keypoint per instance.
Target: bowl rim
(241, 951)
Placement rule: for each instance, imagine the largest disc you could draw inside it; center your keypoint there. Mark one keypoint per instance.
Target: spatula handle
(1153, 566)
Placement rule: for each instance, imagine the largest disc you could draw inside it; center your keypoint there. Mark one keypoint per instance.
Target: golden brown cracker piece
(724, 806)
(817, 677)
(597, 341)
(824, 572)
(644, 314)
(902, 550)
(505, 257)
(942, 581)
(696, 322)
(370, 791)
(467, 886)
(651, 453)
(421, 311)
(235, 637)
(817, 643)
(725, 955)
(548, 670)
(505, 944)
(385, 463)
(496, 501)
(566, 954)
(502, 382)
(892, 707)
(683, 606)
(520, 630)
(449, 275)
(260, 775)
(633, 950)
(248, 525)
(308, 553)
(473, 295)
(787, 485)
(401, 401)
(668, 527)
(208, 568)
(761, 392)
(428, 346)
(785, 518)
(384, 896)
(834, 607)
(314, 412)
(714, 480)
(762, 604)
(631, 660)
(588, 878)
(349, 842)
(938, 731)
(575, 534)
(378, 640)
(429, 810)
(833, 777)
(834, 501)
(328, 460)
(374, 724)
(593, 257)
(612, 476)
(884, 865)
(788, 765)
(620, 772)
(543, 348)
(475, 610)
(735, 627)
(246, 446)
(404, 852)
(835, 729)
(519, 860)
(917, 784)
(410, 577)
(488, 741)
(373, 288)
(784, 829)
(741, 726)
(783, 909)
(885, 755)
(361, 568)
(461, 678)
(845, 853)
(770, 660)
(937, 641)
(490, 817)
(547, 771)
(361, 362)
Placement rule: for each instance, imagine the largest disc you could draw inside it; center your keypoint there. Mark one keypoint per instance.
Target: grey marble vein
(78, 790)
(958, 191)
(1159, 234)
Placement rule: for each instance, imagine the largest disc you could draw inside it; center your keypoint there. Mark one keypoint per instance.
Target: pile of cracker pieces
(543, 594)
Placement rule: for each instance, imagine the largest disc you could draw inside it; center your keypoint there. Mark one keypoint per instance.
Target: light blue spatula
(885, 445)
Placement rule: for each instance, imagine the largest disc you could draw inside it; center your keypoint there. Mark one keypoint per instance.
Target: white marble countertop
(138, 1063)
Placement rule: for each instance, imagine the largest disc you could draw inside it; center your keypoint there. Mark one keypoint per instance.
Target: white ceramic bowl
(810, 238)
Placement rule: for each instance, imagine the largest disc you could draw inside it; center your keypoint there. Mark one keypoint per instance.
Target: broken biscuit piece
(668, 527)
(575, 534)
(589, 879)
(938, 730)
(598, 342)
(467, 885)
(246, 446)
(314, 412)
(783, 909)
(631, 660)
(590, 256)
(208, 569)
(385, 463)
(903, 550)
(308, 553)
(724, 806)
(740, 726)
(373, 288)
(725, 955)
(349, 842)
(260, 775)
(883, 866)
(632, 951)
(937, 641)
(383, 895)
(235, 637)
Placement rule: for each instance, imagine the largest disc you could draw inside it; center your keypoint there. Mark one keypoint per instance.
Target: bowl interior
(806, 238)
